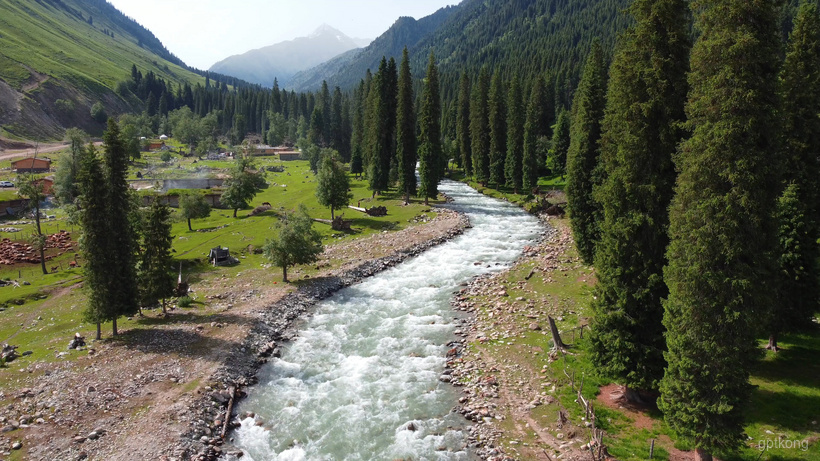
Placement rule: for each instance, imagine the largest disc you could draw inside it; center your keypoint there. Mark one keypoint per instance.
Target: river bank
(143, 394)
(511, 400)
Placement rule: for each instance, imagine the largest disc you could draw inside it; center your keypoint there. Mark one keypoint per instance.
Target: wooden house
(31, 165)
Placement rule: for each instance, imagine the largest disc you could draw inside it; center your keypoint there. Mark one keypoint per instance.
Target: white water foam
(366, 364)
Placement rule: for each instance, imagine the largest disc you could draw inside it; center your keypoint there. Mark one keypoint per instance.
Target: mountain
(528, 37)
(284, 59)
(348, 69)
(59, 57)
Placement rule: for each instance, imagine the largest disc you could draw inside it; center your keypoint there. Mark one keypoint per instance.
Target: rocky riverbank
(499, 394)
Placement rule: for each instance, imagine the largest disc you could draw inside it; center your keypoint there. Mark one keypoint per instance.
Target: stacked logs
(17, 252)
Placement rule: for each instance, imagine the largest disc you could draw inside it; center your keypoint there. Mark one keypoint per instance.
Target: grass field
(43, 315)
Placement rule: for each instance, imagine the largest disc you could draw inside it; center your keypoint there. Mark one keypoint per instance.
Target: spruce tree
(357, 137)
(498, 129)
(406, 131)
(430, 149)
(156, 282)
(722, 241)
(557, 159)
(583, 172)
(96, 238)
(377, 132)
(463, 125)
(122, 294)
(480, 127)
(641, 130)
(798, 208)
(513, 164)
(533, 129)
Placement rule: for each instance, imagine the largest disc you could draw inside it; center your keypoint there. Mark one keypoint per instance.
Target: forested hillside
(524, 36)
(60, 57)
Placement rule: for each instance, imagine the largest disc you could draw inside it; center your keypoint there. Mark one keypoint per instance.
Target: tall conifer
(641, 130)
(798, 208)
(122, 275)
(430, 149)
(498, 129)
(583, 172)
(721, 233)
(378, 142)
(480, 127)
(406, 130)
(513, 164)
(463, 124)
(533, 128)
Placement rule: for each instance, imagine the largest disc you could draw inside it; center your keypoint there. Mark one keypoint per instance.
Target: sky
(202, 32)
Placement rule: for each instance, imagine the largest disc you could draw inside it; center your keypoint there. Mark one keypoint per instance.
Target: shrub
(185, 301)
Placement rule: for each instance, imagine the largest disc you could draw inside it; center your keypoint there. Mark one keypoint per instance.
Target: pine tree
(463, 125)
(641, 130)
(583, 172)
(480, 128)
(513, 166)
(122, 292)
(406, 131)
(156, 281)
(721, 233)
(533, 129)
(430, 149)
(498, 130)
(798, 208)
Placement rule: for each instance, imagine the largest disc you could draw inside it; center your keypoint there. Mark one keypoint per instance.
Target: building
(48, 185)
(163, 137)
(290, 155)
(31, 165)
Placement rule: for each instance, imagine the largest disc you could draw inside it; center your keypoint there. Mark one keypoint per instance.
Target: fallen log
(228, 413)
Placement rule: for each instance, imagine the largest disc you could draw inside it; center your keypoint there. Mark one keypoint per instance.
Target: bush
(64, 106)
(185, 301)
(165, 156)
(98, 112)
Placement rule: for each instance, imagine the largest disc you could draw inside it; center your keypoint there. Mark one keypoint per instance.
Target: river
(361, 381)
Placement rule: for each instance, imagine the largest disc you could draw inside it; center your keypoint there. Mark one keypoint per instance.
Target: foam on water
(366, 365)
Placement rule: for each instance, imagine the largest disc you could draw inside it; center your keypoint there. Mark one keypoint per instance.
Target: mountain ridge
(284, 59)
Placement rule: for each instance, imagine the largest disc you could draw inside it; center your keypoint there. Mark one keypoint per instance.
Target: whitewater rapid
(361, 381)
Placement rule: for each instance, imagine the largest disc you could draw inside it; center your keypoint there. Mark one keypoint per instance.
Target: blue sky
(202, 32)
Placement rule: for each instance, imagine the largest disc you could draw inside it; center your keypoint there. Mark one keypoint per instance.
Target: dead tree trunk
(772, 342)
(704, 455)
(556, 337)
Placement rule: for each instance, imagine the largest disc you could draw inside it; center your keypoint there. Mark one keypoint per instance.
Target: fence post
(651, 448)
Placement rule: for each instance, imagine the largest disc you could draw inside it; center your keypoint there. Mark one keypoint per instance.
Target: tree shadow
(191, 343)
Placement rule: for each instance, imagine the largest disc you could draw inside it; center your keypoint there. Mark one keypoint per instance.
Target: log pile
(16, 252)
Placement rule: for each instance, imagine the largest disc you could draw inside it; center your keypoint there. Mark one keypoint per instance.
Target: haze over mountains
(284, 59)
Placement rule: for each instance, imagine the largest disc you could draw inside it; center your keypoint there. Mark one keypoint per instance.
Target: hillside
(524, 36)
(284, 59)
(74, 52)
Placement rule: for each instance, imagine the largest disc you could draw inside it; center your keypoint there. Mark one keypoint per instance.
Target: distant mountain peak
(284, 59)
(325, 29)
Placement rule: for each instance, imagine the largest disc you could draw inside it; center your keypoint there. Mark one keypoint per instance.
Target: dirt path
(134, 396)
